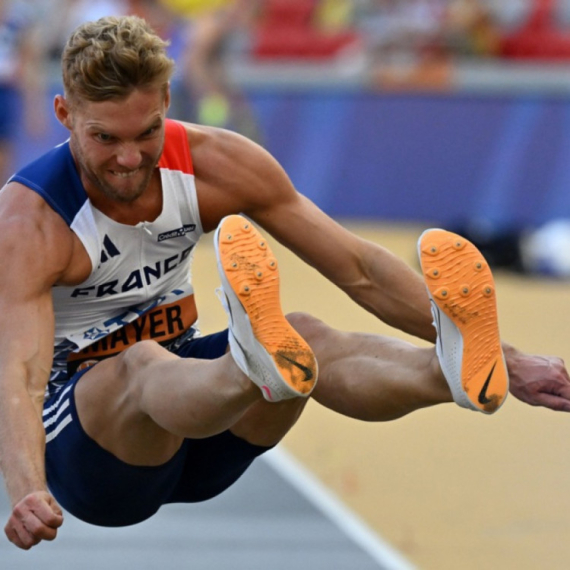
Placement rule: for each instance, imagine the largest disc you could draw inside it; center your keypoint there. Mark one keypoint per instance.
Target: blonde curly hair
(109, 58)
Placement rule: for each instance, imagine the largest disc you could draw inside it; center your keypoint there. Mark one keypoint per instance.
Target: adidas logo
(109, 249)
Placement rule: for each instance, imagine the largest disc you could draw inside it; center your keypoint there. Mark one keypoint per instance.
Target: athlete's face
(117, 144)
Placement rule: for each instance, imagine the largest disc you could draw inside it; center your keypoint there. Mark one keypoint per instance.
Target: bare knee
(110, 403)
(138, 358)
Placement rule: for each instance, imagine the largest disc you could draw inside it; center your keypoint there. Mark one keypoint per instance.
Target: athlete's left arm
(236, 175)
(387, 287)
(241, 177)
(371, 275)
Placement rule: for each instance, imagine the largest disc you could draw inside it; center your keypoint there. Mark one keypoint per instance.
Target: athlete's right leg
(116, 434)
(110, 462)
(148, 427)
(141, 404)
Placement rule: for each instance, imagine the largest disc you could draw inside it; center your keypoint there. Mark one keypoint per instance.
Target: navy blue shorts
(95, 486)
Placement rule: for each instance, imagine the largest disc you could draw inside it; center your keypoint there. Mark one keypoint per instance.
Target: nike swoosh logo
(483, 393)
(304, 369)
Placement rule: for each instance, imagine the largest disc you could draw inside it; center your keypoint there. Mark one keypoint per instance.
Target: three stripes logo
(57, 416)
(109, 250)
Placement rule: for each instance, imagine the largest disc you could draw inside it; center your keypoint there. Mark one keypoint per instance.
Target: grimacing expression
(117, 143)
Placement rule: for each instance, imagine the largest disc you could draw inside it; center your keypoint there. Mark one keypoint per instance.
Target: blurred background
(393, 116)
(448, 112)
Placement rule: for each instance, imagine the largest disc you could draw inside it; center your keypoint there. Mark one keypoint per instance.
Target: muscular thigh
(94, 484)
(107, 399)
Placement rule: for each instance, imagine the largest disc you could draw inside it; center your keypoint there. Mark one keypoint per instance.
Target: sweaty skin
(115, 145)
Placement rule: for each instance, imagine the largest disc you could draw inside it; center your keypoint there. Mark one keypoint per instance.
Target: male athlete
(109, 397)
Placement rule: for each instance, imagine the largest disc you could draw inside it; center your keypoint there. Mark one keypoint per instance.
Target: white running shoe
(462, 295)
(263, 344)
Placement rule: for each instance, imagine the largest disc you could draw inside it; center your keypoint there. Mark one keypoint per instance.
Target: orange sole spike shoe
(462, 294)
(262, 342)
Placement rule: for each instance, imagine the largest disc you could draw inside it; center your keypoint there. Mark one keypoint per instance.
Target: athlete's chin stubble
(111, 192)
(108, 190)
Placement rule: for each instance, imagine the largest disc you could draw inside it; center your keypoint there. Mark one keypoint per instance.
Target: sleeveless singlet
(140, 285)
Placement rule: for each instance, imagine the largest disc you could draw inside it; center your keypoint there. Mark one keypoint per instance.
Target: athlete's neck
(146, 208)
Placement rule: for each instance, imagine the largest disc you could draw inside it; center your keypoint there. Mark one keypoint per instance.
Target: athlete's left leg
(363, 376)
(371, 377)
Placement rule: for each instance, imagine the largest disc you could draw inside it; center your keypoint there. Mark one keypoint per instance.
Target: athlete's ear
(62, 112)
(167, 97)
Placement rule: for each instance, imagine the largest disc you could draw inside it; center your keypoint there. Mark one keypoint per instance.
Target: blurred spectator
(211, 33)
(396, 29)
(469, 29)
(404, 41)
(406, 30)
(508, 15)
(335, 16)
(61, 17)
(163, 20)
(304, 29)
(21, 77)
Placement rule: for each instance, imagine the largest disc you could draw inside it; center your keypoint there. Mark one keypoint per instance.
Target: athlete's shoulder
(218, 151)
(30, 229)
(176, 154)
(47, 166)
(185, 143)
(55, 178)
(234, 174)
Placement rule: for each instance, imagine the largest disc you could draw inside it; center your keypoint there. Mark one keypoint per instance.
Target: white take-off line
(325, 501)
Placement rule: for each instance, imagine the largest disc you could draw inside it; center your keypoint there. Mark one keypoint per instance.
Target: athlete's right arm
(35, 249)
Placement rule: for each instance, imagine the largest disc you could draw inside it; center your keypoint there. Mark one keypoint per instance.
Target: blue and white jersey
(140, 283)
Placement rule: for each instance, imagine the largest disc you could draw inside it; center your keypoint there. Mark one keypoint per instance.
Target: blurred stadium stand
(287, 30)
(447, 112)
(540, 37)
